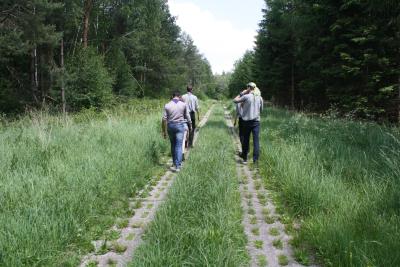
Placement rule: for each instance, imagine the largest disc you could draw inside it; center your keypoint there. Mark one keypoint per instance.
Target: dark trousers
(191, 133)
(240, 124)
(248, 128)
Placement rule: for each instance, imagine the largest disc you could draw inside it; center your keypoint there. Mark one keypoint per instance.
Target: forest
(340, 57)
(69, 55)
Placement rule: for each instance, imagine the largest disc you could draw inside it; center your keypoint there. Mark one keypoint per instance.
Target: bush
(88, 83)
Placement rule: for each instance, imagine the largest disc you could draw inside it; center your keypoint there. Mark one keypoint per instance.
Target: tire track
(268, 244)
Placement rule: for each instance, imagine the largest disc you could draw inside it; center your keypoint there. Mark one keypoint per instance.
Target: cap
(252, 85)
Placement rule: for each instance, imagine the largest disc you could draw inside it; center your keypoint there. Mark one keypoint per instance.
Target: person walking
(193, 105)
(175, 116)
(251, 106)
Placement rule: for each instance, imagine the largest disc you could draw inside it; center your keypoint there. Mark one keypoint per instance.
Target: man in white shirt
(193, 106)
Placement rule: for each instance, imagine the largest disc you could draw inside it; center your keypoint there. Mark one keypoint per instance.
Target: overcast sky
(222, 29)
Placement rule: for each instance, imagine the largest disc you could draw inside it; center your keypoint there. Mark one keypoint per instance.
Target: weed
(265, 211)
(274, 231)
(302, 257)
(252, 211)
(119, 248)
(122, 223)
(130, 237)
(277, 243)
(283, 260)
(255, 231)
(145, 214)
(258, 244)
(112, 235)
(262, 260)
(137, 205)
(269, 219)
(111, 263)
(137, 225)
(257, 185)
(92, 264)
(253, 220)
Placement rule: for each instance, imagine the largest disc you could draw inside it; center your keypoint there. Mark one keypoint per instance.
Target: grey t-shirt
(191, 101)
(251, 107)
(176, 111)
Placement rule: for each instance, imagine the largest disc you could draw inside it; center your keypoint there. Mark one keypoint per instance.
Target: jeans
(248, 128)
(175, 133)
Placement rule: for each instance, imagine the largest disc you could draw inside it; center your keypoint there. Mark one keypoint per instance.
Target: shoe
(244, 161)
(177, 169)
(172, 168)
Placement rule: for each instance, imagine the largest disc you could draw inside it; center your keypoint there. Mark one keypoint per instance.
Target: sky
(222, 30)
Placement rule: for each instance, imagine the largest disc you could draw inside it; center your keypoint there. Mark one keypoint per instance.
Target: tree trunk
(292, 86)
(86, 15)
(398, 101)
(62, 77)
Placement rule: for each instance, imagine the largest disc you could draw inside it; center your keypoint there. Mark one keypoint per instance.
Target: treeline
(341, 56)
(89, 53)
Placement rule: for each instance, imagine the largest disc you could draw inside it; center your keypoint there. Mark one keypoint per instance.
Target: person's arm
(164, 124)
(164, 128)
(187, 117)
(197, 109)
(262, 104)
(239, 98)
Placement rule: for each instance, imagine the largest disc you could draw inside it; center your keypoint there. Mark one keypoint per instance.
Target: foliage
(243, 74)
(144, 52)
(89, 84)
(316, 55)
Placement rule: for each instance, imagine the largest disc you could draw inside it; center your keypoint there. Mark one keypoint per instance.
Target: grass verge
(342, 179)
(65, 180)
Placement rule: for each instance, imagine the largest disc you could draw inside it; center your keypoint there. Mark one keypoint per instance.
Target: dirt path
(268, 244)
(127, 234)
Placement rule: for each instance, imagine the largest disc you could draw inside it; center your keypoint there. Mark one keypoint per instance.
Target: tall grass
(200, 224)
(342, 178)
(64, 180)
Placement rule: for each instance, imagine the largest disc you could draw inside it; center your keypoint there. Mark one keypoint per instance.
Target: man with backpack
(193, 106)
(251, 106)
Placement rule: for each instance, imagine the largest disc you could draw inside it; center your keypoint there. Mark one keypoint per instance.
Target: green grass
(253, 220)
(65, 181)
(274, 231)
(200, 223)
(342, 179)
(283, 260)
(262, 260)
(255, 231)
(258, 244)
(277, 243)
